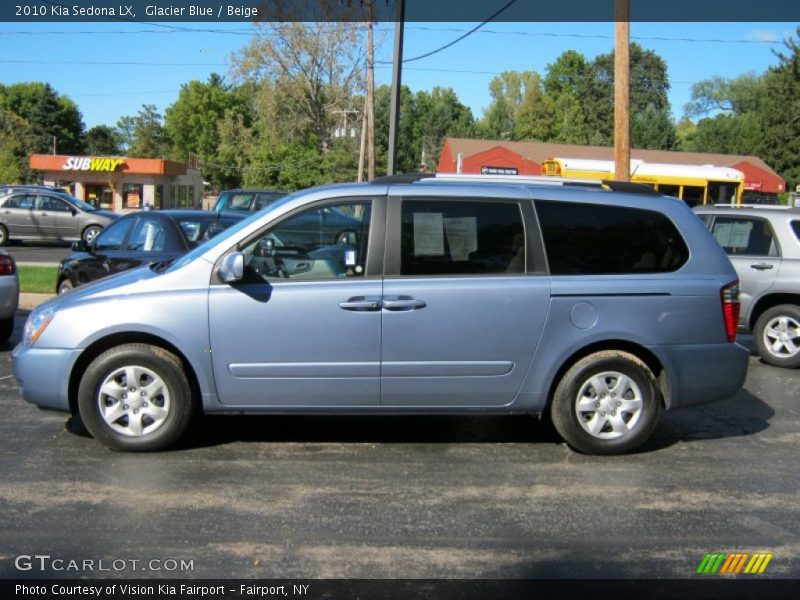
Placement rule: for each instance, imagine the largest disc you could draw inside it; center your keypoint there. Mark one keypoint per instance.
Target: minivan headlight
(36, 324)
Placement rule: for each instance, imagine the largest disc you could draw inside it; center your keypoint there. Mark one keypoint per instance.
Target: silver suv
(764, 246)
(442, 295)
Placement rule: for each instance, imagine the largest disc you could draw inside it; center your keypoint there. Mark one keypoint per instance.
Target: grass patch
(39, 280)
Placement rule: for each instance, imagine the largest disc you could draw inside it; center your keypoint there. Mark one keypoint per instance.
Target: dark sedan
(138, 239)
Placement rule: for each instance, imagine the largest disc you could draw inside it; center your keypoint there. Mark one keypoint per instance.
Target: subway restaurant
(123, 184)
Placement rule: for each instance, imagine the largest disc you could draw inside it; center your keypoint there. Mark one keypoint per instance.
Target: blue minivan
(441, 295)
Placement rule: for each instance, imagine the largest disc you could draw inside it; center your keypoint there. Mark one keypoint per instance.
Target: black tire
(64, 286)
(784, 356)
(3, 235)
(90, 233)
(576, 386)
(176, 401)
(6, 328)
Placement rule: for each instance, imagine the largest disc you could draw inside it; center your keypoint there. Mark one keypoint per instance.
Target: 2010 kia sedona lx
(441, 295)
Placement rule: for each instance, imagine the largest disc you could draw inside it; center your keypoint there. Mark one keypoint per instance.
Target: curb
(29, 301)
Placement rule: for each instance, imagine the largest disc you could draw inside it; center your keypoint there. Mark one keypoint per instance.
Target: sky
(61, 55)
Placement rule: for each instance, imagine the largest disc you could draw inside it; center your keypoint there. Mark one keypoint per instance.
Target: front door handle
(403, 304)
(361, 304)
(762, 266)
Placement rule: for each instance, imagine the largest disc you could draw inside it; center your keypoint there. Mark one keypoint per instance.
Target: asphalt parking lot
(443, 497)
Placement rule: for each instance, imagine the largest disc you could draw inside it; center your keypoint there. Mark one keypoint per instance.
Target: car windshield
(199, 229)
(218, 239)
(77, 202)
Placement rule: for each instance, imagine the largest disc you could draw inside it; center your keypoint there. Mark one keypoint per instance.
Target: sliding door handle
(403, 304)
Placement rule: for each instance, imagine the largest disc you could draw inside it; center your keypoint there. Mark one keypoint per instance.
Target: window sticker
(350, 258)
(740, 234)
(722, 233)
(428, 234)
(462, 237)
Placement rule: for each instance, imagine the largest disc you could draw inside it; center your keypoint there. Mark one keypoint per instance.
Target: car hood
(107, 214)
(107, 286)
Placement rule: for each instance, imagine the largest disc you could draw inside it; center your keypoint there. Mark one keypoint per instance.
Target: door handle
(403, 304)
(361, 304)
(44, 214)
(762, 266)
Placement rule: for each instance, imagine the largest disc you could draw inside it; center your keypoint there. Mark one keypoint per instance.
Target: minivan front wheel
(606, 403)
(777, 336)
(136, 397)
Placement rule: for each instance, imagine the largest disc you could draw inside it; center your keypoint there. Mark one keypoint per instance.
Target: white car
(9, 295)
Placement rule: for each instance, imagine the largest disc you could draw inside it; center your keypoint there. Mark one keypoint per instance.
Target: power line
(455, 41)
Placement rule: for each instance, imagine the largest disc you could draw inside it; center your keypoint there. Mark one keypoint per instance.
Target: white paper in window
(428, 234)
(740, 234)
(722, 233)
(462, 237)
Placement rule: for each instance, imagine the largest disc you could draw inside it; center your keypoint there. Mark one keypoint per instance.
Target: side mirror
(232, 268)
(80, 246)
(74, 211)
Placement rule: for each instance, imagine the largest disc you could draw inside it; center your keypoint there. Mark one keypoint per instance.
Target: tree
(721, 94)
(49, 115)
(192, 122)
(148, 138)
(508, 91)
(103, 140)
(15, 144)
(653, 129)
(649, 88)
(780, 113)
(125, 128)
(310, 69)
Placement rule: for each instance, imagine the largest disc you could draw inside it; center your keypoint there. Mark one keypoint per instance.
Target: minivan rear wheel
(136, 397)
(777, 336)
(606, 403)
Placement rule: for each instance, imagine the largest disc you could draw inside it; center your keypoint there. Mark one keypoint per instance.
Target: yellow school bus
(692, 183)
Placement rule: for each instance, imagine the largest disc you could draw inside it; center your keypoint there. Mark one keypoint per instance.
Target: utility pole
(54, 145)
(370, 99)
(397, 78)
(622, 92)
(363, 143)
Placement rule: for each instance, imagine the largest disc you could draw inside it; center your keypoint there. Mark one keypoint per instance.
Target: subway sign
(92, 163)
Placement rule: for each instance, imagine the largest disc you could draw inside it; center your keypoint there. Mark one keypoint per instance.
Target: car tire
(90, 233)
(589, 407)
(3, 236)
(149, 414)
(6, 328)
(776, 336)
(64, 286)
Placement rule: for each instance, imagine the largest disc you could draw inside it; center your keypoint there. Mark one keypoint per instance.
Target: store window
(192, 199)
(158, 196)
(182, 196)
(172, 193)
(132, 194)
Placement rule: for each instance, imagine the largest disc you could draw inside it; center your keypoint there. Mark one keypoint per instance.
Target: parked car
(36, 214)
(242, 203)
(9, 295)
(137, 239)
(597, 306)
(764, 246)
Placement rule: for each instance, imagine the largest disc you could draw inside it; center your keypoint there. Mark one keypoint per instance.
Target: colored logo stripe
(722, 563)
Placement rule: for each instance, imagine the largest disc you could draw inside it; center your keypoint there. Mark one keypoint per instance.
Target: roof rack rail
(402, 178)
(629, 187)
(517, 179)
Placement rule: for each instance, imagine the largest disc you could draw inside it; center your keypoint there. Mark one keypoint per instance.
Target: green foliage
(192, 123)
(16, 142)
(653, 129)
(48, 114)
(103, 140)
(144, 134)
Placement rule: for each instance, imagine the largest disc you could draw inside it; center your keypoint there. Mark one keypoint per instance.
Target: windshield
(76, 201)
(221, 238)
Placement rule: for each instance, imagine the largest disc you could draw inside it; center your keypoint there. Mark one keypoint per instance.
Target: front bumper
(701, 374)
(43, 374)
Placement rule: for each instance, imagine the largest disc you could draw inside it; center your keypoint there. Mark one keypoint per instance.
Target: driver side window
(325, 242)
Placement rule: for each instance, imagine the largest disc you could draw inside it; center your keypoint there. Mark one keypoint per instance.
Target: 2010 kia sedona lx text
(441, 295)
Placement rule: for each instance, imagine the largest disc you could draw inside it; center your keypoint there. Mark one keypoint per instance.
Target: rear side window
(592, 239)
(745, 236)
(462, 237)
(796, 228)
(26, 201)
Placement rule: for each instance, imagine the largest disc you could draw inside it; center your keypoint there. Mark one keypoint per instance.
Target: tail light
(730, 309)
(7, 265)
